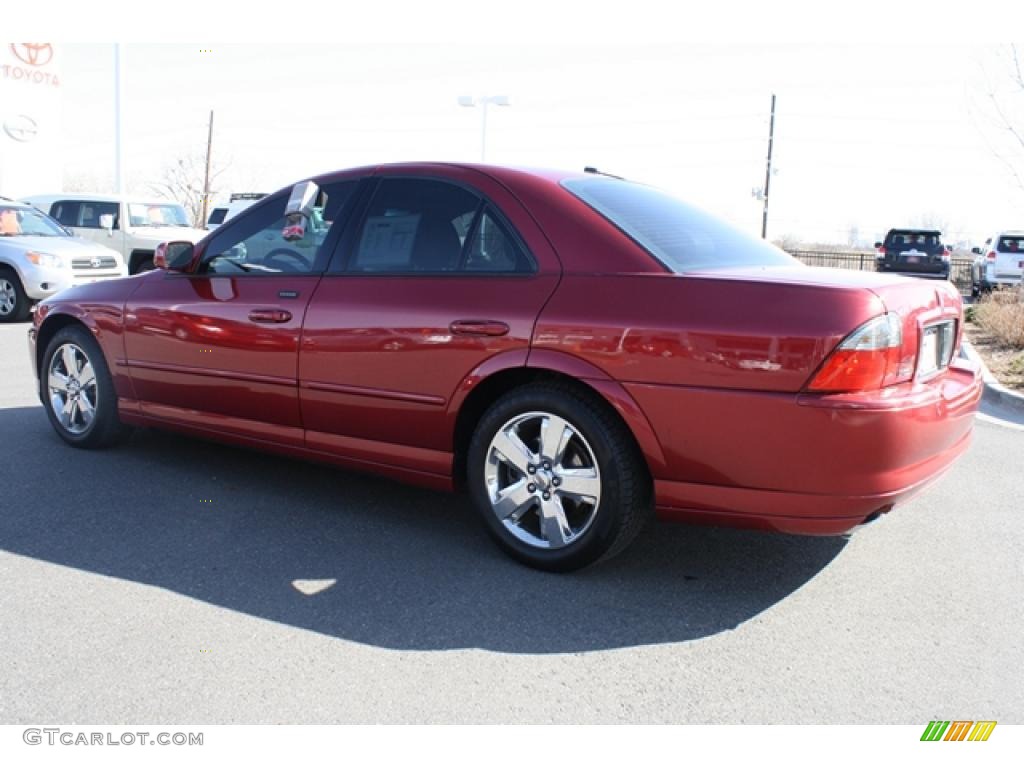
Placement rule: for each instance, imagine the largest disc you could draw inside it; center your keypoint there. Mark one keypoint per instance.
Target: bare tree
(931, 220)
(85, 182)
(182, 181)
(1002, 109)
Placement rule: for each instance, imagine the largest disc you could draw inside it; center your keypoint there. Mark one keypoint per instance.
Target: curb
(994, 393)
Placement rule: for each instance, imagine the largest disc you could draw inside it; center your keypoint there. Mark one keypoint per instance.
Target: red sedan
(575, 350)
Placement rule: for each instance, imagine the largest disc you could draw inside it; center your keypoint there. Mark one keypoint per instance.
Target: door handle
(270, 316)
(478, 328)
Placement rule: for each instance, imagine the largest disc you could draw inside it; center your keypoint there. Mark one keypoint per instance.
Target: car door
(435, 278)
(217, 347)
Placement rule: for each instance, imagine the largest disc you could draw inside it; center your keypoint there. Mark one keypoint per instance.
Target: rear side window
(415, 225)
(492, 249)
(1011, 244)
(680, 236)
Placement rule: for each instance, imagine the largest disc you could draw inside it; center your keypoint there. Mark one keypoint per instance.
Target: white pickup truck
(132, 226)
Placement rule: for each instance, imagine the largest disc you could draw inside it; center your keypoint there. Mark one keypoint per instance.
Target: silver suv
(38, 257)
(1000, 263)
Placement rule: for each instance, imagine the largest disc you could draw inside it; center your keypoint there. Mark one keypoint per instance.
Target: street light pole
(118, 123)
(484, 102)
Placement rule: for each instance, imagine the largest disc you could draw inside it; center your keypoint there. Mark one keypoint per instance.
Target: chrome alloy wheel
(71, 382)
(8, 296)
(542, 480)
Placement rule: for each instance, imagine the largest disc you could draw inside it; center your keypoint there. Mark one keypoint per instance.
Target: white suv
(1001, 262)
(132, 226)
(38, 257)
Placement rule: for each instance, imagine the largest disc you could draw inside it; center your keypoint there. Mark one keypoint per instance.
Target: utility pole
(206, 178)
(768, 171)
(118, 122)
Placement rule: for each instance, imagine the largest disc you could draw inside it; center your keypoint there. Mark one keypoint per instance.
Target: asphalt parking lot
(175, 581)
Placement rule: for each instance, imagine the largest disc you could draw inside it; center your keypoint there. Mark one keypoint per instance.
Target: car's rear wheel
(557, 477)
(14, 303)
(78, 391)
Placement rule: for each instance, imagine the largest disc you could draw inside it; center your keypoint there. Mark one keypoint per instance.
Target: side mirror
(107, 222)
(878, 245)
(175, 256)
(976, 251)
(302, 199)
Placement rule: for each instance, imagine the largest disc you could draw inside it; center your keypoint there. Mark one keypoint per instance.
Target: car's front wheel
(14, 304)
(78, 391)
(557, 477)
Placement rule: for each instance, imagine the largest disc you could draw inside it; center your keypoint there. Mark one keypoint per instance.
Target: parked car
(38, 257)
(999, 263)
(135, 228)
(238, 202)
(574, 350)
(914, 252)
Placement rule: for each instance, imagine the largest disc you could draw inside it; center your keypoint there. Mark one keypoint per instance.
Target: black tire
(142, 262)
(18, 311)
(625, 503)
(105, 427)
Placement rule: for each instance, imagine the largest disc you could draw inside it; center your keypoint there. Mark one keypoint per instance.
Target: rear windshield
(680, 236)
(1011, 244)
(913, 237)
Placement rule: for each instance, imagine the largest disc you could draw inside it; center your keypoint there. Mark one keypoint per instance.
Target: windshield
(680, 236)
(16, 221)
(157, 215)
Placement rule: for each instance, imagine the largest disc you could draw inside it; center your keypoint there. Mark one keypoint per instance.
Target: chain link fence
(960, 268)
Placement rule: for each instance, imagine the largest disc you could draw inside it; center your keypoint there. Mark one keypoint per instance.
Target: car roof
(6, 202)
(78, 196)
(504, 173)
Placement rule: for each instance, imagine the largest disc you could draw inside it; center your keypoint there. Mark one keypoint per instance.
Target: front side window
(66, 212)
(682, 237)
(261, 242)
(157, 215)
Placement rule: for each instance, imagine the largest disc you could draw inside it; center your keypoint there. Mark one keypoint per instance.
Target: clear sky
(868, 135)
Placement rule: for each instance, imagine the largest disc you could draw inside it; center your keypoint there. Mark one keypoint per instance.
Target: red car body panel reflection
(709, 369)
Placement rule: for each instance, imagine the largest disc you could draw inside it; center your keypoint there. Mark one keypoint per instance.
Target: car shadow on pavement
(382, 563)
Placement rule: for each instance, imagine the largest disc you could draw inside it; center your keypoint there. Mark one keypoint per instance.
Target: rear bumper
(936, 273)
(815, 464)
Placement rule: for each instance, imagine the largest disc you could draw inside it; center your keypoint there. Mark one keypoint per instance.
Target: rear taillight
(991, 256)
(946, 254)
(881, 252)
(872, 357)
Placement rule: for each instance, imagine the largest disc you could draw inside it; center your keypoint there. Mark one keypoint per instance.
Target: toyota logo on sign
(21, 128)
(33, 54)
